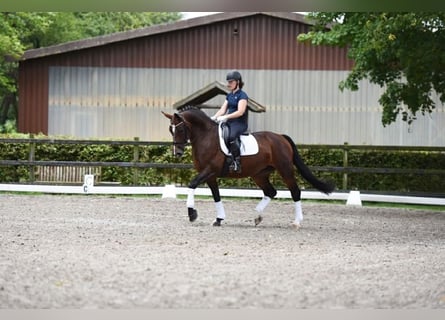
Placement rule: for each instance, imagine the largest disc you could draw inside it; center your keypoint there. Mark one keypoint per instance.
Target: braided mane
(195, 113)
(188, 107)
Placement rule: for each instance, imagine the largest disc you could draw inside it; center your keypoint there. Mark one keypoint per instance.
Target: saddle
(248, 143)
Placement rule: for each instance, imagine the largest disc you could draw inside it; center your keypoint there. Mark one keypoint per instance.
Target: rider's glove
(222, 118)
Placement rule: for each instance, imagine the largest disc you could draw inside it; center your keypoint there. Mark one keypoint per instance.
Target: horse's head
(179, 131)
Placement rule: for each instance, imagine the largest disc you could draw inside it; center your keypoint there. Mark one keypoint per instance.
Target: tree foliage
(402, 52)
(20, 31)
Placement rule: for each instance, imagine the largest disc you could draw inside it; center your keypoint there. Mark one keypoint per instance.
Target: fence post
(31, 157)
(135, 160)
(345, 164)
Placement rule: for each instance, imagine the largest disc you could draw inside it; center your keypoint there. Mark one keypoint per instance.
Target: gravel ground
(61, 251)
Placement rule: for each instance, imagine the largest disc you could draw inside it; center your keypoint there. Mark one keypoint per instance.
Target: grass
(342, 202)
(404, 206)
(439, 208)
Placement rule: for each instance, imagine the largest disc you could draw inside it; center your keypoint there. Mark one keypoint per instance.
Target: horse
(275, 152)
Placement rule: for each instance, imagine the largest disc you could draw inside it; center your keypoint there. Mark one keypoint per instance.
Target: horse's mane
(196, 112)
(188, 107)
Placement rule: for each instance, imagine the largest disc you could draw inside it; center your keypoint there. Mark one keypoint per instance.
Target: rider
(234, 111)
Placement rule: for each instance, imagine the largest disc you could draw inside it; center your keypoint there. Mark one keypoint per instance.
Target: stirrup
(235, 166)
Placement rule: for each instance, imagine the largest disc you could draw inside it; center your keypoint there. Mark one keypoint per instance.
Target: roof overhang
(152, 30)
(210, 91)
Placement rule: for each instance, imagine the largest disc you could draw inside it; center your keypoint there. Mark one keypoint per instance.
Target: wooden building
(116, 86)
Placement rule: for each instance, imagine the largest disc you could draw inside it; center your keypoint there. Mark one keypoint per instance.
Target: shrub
(313, 157)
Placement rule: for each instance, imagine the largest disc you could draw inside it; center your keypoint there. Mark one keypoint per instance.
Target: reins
(173, 130)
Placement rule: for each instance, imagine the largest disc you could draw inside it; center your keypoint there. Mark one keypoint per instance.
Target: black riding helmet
(235, 75)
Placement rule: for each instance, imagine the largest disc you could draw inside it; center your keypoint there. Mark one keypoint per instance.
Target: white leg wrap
(191, 198)
(263, 204)
(298, 212)
(220, 213)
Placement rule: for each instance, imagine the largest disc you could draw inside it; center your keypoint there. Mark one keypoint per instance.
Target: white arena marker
(169, 191)
(354, 199)
(88, 183)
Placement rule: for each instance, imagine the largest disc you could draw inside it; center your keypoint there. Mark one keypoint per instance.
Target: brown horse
(276, 152)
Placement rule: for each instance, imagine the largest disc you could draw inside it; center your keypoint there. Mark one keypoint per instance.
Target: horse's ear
(167, 115)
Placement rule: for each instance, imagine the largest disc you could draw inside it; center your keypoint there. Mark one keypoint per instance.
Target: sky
(189, 15)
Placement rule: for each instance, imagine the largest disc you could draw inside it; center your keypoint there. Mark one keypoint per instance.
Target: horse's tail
(306, 172)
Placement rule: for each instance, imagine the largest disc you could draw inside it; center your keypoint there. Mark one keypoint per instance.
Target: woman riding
(234, 111)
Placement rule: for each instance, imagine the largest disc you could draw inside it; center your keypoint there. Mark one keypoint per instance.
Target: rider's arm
(221, 110)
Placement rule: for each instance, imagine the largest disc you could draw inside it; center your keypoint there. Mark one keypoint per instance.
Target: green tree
(11, 48)
(402, 52)
(99, 23)
(20, 31)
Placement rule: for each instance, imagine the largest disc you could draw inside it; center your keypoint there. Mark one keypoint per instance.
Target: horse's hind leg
(262, 180)
(288, 177)
(220, 213)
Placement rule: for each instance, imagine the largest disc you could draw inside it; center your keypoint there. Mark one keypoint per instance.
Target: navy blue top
(232, 99)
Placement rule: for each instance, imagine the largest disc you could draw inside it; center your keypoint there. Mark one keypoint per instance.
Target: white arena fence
(353, 197)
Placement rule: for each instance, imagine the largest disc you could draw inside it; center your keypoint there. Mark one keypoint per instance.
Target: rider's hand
(213, 118)
(222, 118)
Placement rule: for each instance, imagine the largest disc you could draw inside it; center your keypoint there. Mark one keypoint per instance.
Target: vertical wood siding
(118, 89)
(307, 105)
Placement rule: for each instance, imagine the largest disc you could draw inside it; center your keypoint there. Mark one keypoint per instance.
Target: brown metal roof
(153, 30)
(210, 91)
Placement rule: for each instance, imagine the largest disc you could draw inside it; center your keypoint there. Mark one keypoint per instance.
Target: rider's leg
(236, 128)
(236, 158)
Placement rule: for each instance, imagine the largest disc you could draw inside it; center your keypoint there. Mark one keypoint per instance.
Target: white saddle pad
(249, 145)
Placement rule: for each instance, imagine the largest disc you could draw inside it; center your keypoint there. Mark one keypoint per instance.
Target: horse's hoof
(258, 220)
(193, 214)
(295, 225)
(217, 222)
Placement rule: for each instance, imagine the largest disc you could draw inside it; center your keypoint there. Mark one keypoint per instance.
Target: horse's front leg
(220, 213)
(200, 178)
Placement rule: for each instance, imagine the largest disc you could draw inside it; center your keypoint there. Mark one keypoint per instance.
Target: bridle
(183, 132)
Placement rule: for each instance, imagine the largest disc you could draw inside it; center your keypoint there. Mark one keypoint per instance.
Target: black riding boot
(236, 160)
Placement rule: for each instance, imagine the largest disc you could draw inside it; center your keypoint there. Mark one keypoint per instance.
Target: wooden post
(31, 157)
(345, 164)
(135, 160)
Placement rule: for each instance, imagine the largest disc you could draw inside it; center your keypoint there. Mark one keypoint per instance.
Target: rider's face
(231, 84)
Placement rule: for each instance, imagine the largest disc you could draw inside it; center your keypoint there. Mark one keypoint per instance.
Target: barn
(116, 86)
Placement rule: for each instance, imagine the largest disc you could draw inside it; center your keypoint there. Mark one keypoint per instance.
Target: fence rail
(345, 169)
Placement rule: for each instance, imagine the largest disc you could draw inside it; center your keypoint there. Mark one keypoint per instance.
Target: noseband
(185, 138)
